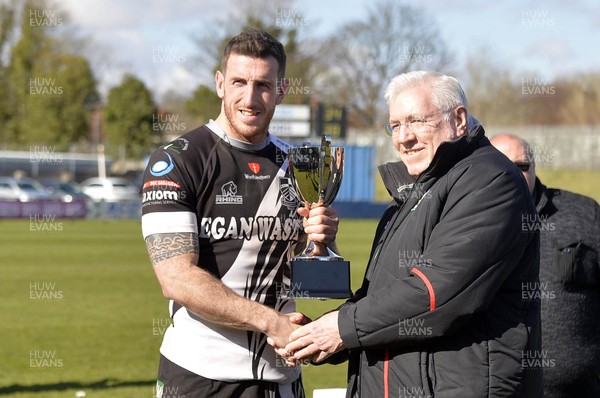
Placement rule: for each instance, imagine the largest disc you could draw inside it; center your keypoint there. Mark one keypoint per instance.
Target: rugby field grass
(82, 310)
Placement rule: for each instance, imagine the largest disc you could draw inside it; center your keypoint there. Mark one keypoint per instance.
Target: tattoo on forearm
(164, 246)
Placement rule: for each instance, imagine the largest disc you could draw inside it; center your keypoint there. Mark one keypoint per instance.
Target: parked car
(110, 189)
(23, 189)
(66, 191)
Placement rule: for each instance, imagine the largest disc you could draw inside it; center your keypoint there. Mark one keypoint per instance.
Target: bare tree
(363, 56)
(278, 17)
(501, 96)
(282, 21)
(582, 105)
(491, 89)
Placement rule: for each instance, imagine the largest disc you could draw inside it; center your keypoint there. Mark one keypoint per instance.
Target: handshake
(302, 339)
(293, 336)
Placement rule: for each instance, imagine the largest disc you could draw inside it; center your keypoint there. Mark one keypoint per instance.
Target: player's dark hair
(258, 44)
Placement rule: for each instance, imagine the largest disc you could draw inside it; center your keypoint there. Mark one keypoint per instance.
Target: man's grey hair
(446, 92)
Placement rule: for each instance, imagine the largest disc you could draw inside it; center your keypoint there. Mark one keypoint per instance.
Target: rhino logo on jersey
(229, 189)
(228, 195)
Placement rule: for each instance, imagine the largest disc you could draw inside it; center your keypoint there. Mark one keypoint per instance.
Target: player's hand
(320, 223)
(278, 334)
(278, 339)
(298, 318)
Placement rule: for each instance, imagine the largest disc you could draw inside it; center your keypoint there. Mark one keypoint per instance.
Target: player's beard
(254, 131)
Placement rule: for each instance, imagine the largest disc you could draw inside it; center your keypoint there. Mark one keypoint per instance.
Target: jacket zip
(415, 271)
(386, 358)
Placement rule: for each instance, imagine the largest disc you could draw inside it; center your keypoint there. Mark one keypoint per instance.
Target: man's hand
(316, 340)
(320, 224)
(297, 319)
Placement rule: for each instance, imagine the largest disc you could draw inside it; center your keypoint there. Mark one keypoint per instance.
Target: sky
(152, 38)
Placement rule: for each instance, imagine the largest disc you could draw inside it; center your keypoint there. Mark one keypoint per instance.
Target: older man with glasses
(569, 227)
(448, 305)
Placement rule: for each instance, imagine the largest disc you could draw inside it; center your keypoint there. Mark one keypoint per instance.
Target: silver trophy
(316, 173)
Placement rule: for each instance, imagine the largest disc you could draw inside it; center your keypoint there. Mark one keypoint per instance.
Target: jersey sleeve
(167, 195)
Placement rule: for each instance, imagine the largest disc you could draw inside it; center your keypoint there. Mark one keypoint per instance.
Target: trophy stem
(319, 250)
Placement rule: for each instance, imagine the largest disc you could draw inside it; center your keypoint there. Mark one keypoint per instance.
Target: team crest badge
(289, 197)
(255, 167)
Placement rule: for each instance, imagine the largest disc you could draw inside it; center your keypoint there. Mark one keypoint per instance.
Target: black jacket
(449, 306)
(570, 291)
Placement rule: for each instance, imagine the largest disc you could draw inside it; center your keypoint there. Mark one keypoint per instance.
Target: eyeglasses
(416, 126)
(523, 166)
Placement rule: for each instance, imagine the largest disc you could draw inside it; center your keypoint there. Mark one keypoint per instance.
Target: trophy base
(320, 279)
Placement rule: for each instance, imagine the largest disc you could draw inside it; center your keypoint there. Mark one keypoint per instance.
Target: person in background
(569, 226)
(440, 312)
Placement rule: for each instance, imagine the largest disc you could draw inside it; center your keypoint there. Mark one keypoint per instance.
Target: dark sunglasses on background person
(523, 166)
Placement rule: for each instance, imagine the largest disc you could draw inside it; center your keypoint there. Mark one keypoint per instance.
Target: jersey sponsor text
(265, 228)
(160, 195)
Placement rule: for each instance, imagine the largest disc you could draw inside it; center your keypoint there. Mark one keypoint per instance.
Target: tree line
(49, 94)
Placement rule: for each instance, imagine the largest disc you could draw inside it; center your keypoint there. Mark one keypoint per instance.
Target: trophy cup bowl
(316, 173)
